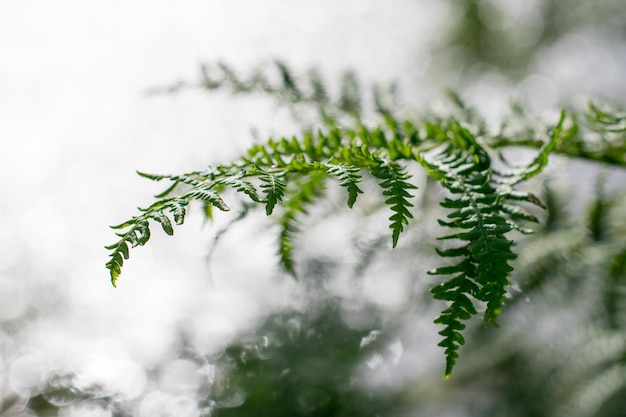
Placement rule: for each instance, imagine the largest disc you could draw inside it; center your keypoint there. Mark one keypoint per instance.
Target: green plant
(486, 209)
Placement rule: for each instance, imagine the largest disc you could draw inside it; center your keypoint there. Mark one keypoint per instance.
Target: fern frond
(279, 81)
(204, 193)
(287, 175)
(483, 220)
(537, 165)
(456, 291)
(394, 182)
(138, 228)
(307, 190)
(604, 117)
(348, 177)
(273, 185)
(350, 100)
(240, 186)
(138, 233)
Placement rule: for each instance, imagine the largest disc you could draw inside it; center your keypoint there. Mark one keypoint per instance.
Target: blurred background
(197, 328)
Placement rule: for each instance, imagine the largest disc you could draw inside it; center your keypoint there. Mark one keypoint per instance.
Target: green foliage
(278, 81)
(483, 36)
(485, 212)
(562, 348)
(282, 368)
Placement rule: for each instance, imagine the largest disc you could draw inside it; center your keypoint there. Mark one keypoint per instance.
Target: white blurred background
(76, 122)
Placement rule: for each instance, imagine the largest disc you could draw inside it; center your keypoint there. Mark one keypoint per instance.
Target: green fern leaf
(300, 197)
(395, 185)
(137, 235)
(289, 85)
(204, 193)
(153, 177)
(455, 291)
(124, 225)
(142, 232)
(349, 178)
(482, 219)
(114, 265)
(273, 185)
(164, 220)
(350, 100)
(463, 167)
(178, 208)
(540, 161)
(241, 186)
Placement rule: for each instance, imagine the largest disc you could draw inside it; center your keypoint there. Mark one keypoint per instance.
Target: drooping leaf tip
(114, 275)
(153, 177)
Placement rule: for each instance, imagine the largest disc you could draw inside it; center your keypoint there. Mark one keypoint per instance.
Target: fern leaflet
(349, 178)
(273, 185)
(396, 187)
